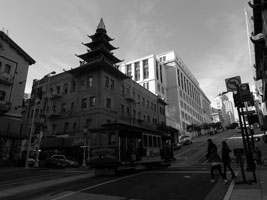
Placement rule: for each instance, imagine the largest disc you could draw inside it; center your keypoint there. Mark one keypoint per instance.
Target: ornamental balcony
(5, 106)
(55, 95)
(6, 79)
(54, 114)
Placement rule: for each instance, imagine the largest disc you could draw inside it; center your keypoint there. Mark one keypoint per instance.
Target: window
(54, 109)
(122, 90)
(58, 89)
(88, 122)
(2, 95)
(112, 84)
(150, 141)
(74, 126)
(106, 82)
(145, 69)
(84, 103)
(162, 90)
(63, 107)
(137, 71)
(54, 127)
(143, 101)
(147, 103)
(92, 101)
(129, 70)
(157, 70)
(7, 69)
(160, 69)
(112, 138)
(158, 87)
(73, 86)
(66, 127)
(0, 65)
(72, 106)
(66, 86)
(122, 109)
(82, 83)
(178, 77)
(89, 81)
(145, 140)
(108, 103)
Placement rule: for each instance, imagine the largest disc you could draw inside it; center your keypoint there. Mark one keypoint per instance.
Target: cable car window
(112, 138)
(150, 141)
(159, 142)
(103, 139)
(94, 139)
(145, 140)
(155, 141)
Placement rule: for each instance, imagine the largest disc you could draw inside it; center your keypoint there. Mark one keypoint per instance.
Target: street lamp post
(32, 123)
(84, 146)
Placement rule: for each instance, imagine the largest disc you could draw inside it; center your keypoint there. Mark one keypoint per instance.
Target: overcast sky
(210, 36)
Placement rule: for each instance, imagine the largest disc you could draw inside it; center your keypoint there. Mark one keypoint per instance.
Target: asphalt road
(186, 179)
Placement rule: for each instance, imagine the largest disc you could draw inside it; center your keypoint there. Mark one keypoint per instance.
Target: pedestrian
(226, 160)
(258, 156)
(214, 158)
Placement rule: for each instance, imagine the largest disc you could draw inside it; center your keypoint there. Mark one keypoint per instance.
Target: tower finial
(101, 25)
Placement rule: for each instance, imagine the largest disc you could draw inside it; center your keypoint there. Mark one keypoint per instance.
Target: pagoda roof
(97, 43)
(98, 64)
(100, 51)
(101, 32)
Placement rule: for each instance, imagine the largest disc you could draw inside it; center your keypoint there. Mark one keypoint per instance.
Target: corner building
(167, 76)
(92, 95)
(14, 65)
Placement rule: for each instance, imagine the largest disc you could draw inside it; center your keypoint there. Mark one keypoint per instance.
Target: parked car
(69, 163)
(56, 163)
(185, 140)
(177, 146)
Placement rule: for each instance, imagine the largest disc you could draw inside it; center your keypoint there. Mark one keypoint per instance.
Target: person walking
(226, 160)
(214, 158)
(258, 156)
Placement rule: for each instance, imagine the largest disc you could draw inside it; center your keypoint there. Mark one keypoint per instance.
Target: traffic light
(237, 100)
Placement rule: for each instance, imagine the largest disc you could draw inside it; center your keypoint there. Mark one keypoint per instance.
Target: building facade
(256, 24)
(14, 65)
(167, 76)
(89, 96)
(226, 111)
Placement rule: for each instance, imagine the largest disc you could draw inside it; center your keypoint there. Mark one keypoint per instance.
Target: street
(187, 178)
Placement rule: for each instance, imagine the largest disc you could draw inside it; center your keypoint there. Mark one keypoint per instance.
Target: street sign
(233, 83)
(245, 92)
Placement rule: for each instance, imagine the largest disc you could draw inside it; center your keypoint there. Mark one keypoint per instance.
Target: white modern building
(166, 75)
(226, 108)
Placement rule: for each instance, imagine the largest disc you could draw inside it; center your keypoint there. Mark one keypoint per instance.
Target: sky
(210, 36)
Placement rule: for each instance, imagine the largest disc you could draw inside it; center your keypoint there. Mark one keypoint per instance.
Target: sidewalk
(253, 191)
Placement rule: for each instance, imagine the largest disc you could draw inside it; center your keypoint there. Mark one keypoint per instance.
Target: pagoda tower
(100, 48)
(99, 54)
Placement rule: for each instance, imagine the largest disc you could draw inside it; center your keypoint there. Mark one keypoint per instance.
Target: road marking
(97, 185)
(178, 172)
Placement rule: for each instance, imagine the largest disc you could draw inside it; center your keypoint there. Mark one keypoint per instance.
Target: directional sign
(233, 83)
(245, 92)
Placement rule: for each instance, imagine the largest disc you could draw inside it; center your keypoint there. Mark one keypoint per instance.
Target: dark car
(56, 163)
(69, 163)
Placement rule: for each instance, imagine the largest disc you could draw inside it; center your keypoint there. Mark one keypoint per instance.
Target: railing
(5, 106)
(6, 79)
